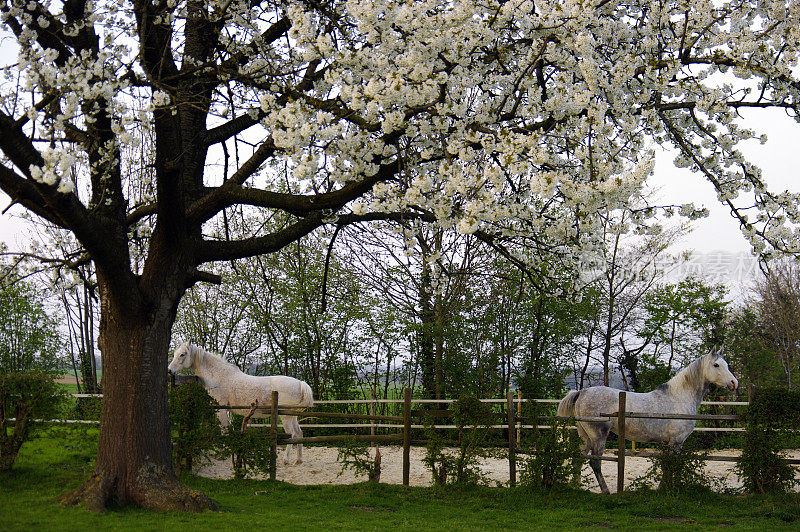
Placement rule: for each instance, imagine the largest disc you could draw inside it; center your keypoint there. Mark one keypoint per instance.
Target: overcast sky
(776, 159)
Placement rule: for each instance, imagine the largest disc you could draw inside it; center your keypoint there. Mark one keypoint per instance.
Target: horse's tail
(566, 408)
(306, 395)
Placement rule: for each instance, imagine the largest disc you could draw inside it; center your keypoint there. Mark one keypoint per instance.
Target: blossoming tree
(507, 118)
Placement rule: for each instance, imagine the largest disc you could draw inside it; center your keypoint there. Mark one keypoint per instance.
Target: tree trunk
(426, 334)
(439, 348)
(134, 462)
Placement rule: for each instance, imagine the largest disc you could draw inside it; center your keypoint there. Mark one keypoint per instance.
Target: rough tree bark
(134, 459)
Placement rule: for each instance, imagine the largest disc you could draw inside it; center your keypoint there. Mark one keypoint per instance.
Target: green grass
(62, 458)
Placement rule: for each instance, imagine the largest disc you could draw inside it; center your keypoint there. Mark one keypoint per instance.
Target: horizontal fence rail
(63, 421)
(431, 401)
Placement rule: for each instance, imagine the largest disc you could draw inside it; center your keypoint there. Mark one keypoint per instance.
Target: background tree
(221, 318)
(29, 339)
(296, 312)
(762, 333)
(777, 304)
(679, 322)
(531, 330)
(471, 115)
(753, 358)
(424, 275)
(631, 266)
(80, 309)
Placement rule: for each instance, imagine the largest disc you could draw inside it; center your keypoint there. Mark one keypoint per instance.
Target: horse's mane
(215, 359)
(691, 377)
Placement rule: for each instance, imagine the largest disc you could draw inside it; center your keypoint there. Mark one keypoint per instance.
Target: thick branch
(17, 146)
(232, 127)
(154, 41)
(299, 205)
(270, 35)
(23, 192)
(217, 250)
(199, 276)
(140, 212)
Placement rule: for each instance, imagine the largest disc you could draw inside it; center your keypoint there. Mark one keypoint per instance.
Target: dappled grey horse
(681, 394)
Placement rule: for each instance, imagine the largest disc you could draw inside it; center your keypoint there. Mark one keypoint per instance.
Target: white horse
(681, 394)
(231, 387)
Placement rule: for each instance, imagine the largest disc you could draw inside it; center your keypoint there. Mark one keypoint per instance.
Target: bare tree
(777, 305)
(631, 267)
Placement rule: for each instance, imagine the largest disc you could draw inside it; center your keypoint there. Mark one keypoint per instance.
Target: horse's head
(716, 371)
(183, 358)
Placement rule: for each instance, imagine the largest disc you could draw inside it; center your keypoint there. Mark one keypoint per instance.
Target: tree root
(93, 494)
(170, 496)
(161, 494)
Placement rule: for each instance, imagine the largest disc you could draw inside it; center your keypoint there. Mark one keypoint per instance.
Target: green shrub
(87, 408)
(195, 427)
(356, 456)
(554, 457)
(771, 419)
(461, 465)
(249, 450)
(24, 397)
(676, 470)
(29, 339)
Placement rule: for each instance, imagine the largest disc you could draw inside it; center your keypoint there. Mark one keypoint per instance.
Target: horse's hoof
(299, 461)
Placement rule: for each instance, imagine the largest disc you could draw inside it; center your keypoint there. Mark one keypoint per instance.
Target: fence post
(406, 435)
(621, 437)
(512, 440)
(372, 421)
(273, 452)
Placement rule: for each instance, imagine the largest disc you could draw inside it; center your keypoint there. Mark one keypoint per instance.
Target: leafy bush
(771, 419)
(554, 457)
(676, 470)
(195, 428)
(87, 408)
(248, 450)
(24, 397)
(356, 456)
(461, 466)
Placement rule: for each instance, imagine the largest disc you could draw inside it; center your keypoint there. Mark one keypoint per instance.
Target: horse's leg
(224, 417)
(594, 463)
(297, 432)
(595, 443)
(287, 428)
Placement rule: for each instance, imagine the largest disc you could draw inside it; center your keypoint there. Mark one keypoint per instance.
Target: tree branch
(23, 192)
(218, 250)
(297, 204)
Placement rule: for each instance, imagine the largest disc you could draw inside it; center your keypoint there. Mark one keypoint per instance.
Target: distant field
(69, 383)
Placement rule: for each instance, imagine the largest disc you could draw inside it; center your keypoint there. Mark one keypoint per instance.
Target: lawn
(62, 458)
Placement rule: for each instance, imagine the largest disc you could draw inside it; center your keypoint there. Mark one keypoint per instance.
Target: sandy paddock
(321, 467)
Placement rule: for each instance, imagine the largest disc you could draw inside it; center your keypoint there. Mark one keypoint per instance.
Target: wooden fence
(274, 411)
(512, 422)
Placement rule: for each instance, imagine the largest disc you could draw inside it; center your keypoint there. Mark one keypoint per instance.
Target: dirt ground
(321, 467)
